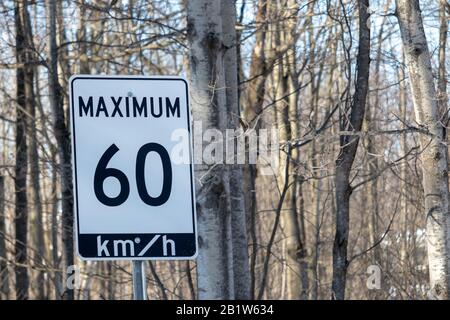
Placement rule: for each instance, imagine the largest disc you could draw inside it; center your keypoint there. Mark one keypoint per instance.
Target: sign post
(139, 283)
(133, 172)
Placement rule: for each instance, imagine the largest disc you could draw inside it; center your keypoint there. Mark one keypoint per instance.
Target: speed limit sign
(134, 196)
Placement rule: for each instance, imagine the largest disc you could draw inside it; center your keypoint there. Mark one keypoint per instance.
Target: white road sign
(133, 200)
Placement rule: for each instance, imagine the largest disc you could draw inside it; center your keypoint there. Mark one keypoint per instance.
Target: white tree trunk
(241, 272)
(434, 161)
(208, 101)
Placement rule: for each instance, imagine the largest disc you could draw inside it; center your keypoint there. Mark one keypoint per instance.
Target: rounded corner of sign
(73, 78)
(81, 257)
(194, 256)
(184, 80)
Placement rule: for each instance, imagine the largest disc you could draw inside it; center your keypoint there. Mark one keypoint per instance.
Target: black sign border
(75, 180)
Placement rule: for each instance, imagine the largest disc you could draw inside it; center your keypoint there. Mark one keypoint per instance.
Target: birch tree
(433, 156)
(442, 80)
(208, 102)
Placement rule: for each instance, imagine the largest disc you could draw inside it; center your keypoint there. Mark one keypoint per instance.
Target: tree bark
(286, 111)
(82, 38)
(241, 272)
(62, 136)
(370, 125)
(254, 99)
(301, 253)
(4, 276)
(434, 159)
(208, 101)
(442, 77)
(37, 227)
(344, 162)
(20, 179)
(56, 260)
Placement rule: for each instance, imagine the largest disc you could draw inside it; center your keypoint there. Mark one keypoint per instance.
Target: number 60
(102, 172)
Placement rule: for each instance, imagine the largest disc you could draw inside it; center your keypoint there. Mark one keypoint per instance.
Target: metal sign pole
(139, 284)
